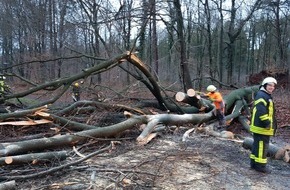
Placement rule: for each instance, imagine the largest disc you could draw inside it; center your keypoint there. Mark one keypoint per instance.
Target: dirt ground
(166, 163)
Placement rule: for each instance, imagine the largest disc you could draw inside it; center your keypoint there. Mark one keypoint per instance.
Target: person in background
(76, 92)
(2, 85)
(262, 124)
(4, 88)
(218, 101)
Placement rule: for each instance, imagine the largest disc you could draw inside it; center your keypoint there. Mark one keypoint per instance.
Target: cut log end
(287, 156)
(191, 92)
(145, 140)
(180, 96)
(227, 135)
(8, 160)
(128, 114)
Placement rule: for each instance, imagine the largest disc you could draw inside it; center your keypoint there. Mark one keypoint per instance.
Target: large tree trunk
(185, 75)
(7, 149)
(273, 152)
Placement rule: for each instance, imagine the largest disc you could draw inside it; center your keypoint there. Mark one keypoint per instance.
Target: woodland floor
(202, 162)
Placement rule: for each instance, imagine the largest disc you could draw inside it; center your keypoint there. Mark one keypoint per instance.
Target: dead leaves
(29, 122)
(42, 112)
(147, 139)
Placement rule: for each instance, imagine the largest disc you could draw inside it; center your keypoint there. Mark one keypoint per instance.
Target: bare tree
(185, 75)
(220, 50)
(234, 31)
(282, 34)
(154, 37)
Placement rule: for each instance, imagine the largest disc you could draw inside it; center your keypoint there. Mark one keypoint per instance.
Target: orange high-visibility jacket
(218, 99)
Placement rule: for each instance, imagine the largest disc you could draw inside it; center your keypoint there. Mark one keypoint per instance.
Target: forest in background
(48, 45)
(181, 41)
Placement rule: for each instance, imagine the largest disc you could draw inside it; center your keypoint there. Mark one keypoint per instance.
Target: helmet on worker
(211, 88)
(269, 80)
(76, 84)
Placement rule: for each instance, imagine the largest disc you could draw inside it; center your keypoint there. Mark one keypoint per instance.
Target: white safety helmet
(269, 80)
(211, 88)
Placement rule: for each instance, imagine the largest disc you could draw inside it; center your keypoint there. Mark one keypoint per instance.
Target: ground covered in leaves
(203, 162)
(167, 162)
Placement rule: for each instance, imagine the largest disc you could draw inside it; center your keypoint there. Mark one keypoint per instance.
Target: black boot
(262, 168)
(252, 163)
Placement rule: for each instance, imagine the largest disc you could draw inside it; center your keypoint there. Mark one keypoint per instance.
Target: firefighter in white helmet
(263, 124)
(215, 96)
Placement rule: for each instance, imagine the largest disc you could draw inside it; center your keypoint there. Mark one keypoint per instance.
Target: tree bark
(57, 168)
(185, 98)
(9, 185)
(246, 94)
(185, 75)
(171, 119)
(22, 113)
(34, 158)
(8, 149)
(275, 152)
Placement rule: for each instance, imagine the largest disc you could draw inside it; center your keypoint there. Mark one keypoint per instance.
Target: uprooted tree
(188, 108)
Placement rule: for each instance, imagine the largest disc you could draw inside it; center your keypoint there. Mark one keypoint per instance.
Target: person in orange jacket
(218, 101)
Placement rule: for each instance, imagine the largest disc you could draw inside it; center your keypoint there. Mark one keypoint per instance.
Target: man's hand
(202, 108)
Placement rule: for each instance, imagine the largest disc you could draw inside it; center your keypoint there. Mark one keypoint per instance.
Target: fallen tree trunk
(9, 185)
(84, 103)
(171, 119)
(245, 123)
(194, 100)
(57, 168)
(244, 94)
(237, 102)
(152, 121)
(273, 152)
(235, 99)
(248, 143)
(21, 113)
(183, 97)
(35, 158)
(7, 149)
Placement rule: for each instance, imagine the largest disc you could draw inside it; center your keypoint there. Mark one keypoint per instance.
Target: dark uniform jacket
(263, 114)
(76, 89)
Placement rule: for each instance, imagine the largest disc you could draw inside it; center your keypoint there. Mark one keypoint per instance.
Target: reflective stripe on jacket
(263, 114)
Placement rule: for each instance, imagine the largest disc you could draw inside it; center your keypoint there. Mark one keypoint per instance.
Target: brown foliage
(280, 74)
